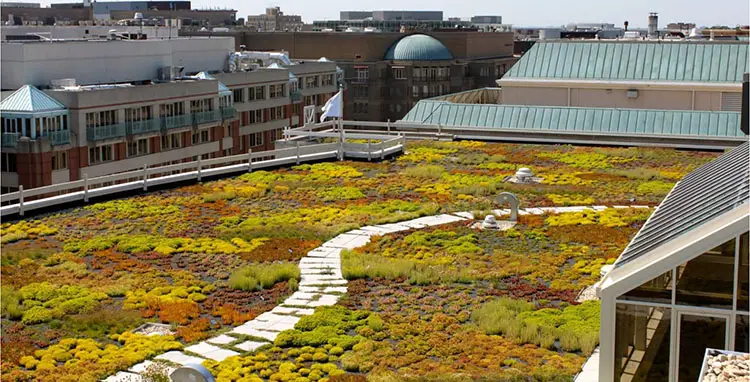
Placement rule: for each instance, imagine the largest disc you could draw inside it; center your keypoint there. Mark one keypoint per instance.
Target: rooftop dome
(418, 47)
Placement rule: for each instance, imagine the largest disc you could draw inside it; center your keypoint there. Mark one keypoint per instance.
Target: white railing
(86, 188)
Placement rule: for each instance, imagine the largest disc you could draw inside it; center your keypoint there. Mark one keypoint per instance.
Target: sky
(517, 12)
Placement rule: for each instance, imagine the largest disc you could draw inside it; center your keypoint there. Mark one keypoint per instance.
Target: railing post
(341, 141)
(440, 131)
(403, 143)
(85, 187)
(382, 150)
(249, 160)
(199, 168)
(297, 142)
(369, 151)
(20, 199)
(388, 125)
(145, 177)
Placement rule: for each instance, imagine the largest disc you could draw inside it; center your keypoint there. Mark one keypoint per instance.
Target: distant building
(629, 75)
(454, 19)
(680, 27)
(102, 9)
(487, 19)
(20, 5)
(196, 17)
(42, 32)
(355, 15)
(389, 26)
(44, 16)
(387, 73)
(274, 20)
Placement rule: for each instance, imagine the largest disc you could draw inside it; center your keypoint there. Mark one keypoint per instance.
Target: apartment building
(70, 130)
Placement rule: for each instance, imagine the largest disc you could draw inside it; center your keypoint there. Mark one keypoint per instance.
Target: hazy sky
(518, 12)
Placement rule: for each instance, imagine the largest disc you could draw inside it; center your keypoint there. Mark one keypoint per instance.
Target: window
(708, 280)
(277, 134)
(201, 137)
(399, 72)
(100, 118)
(276, 113)
(255, 116)
(142, 113)
(101, 154)
(256, 93)
(360, 108)
(362, 73)
(228, 131)
(296, 109)
(139, 147)
(8, 162)
(238, 95)
(276, 91)
(629, 343)
(171, 141)
(499, 70)
(327, 80)
(201, 105)
(484, 71)
(171, 109)
(362, 91)
(415, 91)
(256, 139)
(311, 100)
(311, 82)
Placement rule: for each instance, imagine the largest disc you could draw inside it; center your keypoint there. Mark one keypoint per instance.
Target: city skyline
(533, 13)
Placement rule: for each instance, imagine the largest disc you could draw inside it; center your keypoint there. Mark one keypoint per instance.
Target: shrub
(36, 315)
(293, 285)
(263, 276)
(341, 193)
(425, 172)
(223, 195)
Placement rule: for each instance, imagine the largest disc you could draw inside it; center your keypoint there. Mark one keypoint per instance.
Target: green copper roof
(578, 120)
(418, 47)
(29, 99)
(634, 61)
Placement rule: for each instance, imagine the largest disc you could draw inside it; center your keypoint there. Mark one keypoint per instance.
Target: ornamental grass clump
(263, 276)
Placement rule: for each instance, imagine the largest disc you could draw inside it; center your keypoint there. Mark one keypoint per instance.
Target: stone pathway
(321, 284)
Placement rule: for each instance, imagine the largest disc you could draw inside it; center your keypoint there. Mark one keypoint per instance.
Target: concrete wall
(92, 62)
(613, 98)
(94, 31)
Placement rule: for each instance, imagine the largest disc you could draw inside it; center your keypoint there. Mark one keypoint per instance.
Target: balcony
(175, 122)
(59, 137)
(10, 139)
(101, 133)
(227, 112)
(296, 96)
(206, 117)
(142, 127)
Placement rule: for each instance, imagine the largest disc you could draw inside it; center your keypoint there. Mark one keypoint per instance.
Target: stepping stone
(311, 289)
(464, 214)
(375, 230)
(414, 225)
(123, 376)
(522, 212)
(362, 232)
(255, 332)
(250, 345)
(295, 311)
(304, 295)
(620, 207)
(599, 208)
(179, 357)
(221, 340)
(281, 326)
(210, 351)
(335, 290)
(393, 227)
(551, 210)
(325, 300)
(322, 282)
(437, 220)
(347, 241)
(640, 207)
(295, 302)
(573, 209)
(535, 211)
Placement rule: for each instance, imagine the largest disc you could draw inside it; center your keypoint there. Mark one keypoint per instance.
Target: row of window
(142, 113)
(432, 73)
(42, 125)
(262, 115)
(9, 161)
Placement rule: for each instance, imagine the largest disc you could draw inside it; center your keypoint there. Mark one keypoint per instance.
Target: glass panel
(641, 343)
(708, 280)
(744, 274)
(742, 334)
(696, 334)
(658, 289)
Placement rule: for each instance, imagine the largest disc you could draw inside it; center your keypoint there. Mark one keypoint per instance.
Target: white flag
(334, 107)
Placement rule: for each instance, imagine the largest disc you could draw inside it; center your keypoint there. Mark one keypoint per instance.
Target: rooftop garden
(435, 302)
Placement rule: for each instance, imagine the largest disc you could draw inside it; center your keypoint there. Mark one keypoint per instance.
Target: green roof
(418, 47)
(634, 61)
(578, 120)
(28, 99)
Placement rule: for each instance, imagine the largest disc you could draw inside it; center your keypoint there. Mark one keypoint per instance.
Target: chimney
(744, 119)
(653, 25)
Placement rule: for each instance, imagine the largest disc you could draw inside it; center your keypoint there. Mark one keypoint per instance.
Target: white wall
(92, 62)
(75, 31)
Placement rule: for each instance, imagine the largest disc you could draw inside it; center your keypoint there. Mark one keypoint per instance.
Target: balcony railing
(175, 122)
(206, 117)
(227, 112)
(295, 96)
(145, 126)
(59, 137)
(10, 139)
(100, 133)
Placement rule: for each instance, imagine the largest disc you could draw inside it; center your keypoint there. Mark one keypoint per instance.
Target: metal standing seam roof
(28, 99)
(418, 47)
(636, 61)
(706, 193)
(578, 120)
